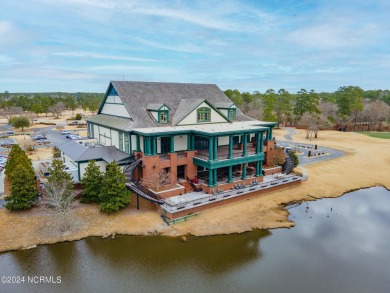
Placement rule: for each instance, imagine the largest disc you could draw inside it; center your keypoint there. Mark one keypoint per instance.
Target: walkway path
(290, 132)
(303, 158)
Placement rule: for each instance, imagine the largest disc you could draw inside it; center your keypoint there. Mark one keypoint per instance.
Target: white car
(64, 132)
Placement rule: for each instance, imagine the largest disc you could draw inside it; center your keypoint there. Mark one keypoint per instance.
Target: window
(127, 143)
(163, 117)
(165, 144)
(201, 143)
(204, 114)
(121, 141)
(232, 114)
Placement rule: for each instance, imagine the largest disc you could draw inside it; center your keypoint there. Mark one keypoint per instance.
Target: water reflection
(356, 222)
(161, 255)
(337, 245)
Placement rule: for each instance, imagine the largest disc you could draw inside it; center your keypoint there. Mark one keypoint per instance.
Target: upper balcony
(221, 158)
(223, 152)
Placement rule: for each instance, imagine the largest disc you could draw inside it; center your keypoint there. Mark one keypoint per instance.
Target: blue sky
(80, 45)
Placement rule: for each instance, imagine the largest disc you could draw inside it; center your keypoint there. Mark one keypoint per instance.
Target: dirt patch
(39, 154)
(366, 163)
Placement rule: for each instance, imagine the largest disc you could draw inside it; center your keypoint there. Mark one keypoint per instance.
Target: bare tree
(60, 195)
(314, 123)
(9, 112)
(278, 157)
(43, 131)
(57, 109)
(375, 114)
(254, 109)
(157, 180)
(60, 201)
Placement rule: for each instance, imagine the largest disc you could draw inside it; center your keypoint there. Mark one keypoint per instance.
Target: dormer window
(204, 114)
(232, 114)
(160, 112)
(228, 109)
(163, 117)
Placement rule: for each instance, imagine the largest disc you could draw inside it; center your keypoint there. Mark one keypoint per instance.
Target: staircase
(128, 172)
(288, 166)
(186, 186)
(129, 169)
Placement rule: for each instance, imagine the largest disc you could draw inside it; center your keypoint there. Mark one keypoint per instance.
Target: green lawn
(383, 135)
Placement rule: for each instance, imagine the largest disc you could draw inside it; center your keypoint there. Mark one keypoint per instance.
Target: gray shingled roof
(77, 152)
(136, 96)
(72, 149)
(125, 124)
(223, 105)
(185, 107)
(154, 106)
(107, 153)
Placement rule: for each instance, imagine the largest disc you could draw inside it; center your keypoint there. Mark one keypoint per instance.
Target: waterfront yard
(366, 163)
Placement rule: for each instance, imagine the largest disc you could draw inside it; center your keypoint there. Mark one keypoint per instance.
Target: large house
(191, 131)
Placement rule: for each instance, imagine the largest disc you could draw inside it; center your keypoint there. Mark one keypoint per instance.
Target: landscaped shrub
(295, 157)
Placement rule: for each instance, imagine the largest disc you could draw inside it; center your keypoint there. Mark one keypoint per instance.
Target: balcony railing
(225, 156)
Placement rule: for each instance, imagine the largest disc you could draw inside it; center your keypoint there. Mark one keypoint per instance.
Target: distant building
(76, 156)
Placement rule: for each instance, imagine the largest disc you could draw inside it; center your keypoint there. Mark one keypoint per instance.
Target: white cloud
(80, 54)
(333, 35)
(187, 48)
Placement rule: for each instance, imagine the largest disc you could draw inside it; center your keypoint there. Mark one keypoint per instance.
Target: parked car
(42, 140)
(73, 123)
(37, 137)
(10, 132)
(75, 136)
(64, 132)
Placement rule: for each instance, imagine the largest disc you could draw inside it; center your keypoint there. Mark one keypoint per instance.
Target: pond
(337, 245)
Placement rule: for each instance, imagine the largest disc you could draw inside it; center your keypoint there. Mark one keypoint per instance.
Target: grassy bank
(382, 135)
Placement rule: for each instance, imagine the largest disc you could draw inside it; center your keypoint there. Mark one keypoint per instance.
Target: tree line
(55, 103)
(349, 108)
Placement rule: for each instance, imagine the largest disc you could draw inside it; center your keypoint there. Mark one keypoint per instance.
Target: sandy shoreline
(366, 163)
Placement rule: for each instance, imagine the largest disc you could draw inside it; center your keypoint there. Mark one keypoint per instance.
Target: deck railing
(219, 195)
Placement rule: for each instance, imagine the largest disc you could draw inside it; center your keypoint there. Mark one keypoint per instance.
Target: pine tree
(13, 157)
(92, 183)
(24, 191)
(58, 174)
(114, 194)
(21, 176)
